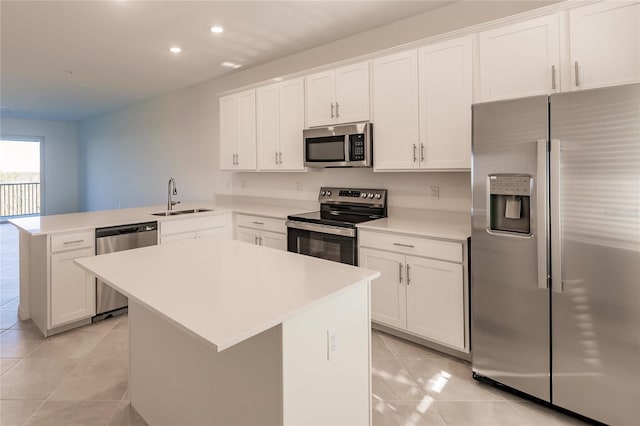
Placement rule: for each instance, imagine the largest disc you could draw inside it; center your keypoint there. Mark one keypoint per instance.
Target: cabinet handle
(255, 239)
(337, 110)
(332, 110)
(260, 240)
(408, 276)
(414, 153)
(280, 156)
(258, 223)
(73, 242)
(276, 157)
(237, 159)
(404, 245)
(400, 271)
(575, 67)
(553, 77)
(421, 152)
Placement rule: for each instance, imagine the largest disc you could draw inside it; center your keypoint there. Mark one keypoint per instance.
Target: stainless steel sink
(178, 212)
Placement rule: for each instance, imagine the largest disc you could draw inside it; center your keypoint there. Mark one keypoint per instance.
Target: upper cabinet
(238, 131)
(422, 107)
(446, 95)
(521, 59)
(337, 96)
(604, 44)
(280, 121)
(395, 111)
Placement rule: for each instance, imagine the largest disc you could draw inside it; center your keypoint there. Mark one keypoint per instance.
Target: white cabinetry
(238, 131)
(604, 44)
(395, 111)
(201, 227)
(446, 95)
(263, 231)
(422, 107)
(337, 96)
(71, 288)
(520, 59)
(422, 289)
(280, 121)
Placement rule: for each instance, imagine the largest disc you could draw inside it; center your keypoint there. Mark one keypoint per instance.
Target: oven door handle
(322, 229)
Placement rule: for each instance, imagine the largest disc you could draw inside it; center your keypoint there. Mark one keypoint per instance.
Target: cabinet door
(445, 104)
(519, 60)
(388, 292)
(246, 158)
(222, 232)
(605, 44)
(320, 94)
(291, 125)
(273, 240)
(228, 131)
(177, 237)
(352, 93)
(395, 111)
(72, 288)
(247, 235)
(268, 126)
(435, 300)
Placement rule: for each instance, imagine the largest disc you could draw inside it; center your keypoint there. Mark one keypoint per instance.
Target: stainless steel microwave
(346, 145)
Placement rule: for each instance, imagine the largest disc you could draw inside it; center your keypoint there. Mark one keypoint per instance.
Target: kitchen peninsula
(224, 332)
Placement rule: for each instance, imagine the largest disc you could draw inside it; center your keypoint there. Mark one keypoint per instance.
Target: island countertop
(223, 291)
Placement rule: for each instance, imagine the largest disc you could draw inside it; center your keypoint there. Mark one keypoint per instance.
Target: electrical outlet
(332, 343)
(434, 192)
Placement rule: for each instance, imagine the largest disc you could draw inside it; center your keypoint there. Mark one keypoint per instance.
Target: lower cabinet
(262, 231)
(201, 227)
(72, 288)
(417, 294)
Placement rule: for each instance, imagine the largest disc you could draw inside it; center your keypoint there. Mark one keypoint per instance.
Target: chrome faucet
(170, 203)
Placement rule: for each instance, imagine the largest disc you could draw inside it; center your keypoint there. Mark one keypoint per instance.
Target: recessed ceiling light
(217, 29)
(230, 65)
(175, 49)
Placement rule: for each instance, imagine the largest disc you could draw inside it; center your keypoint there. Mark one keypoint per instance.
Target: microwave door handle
(346, 148)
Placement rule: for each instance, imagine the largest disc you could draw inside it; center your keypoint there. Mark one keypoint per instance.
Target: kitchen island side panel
(322, 391)
(177, 379)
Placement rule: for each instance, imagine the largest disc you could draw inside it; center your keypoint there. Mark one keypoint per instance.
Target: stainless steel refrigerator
(555, 275)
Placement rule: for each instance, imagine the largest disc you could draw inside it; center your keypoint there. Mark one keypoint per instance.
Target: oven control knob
(371, 195)
(322, 193)
(328, 193)
(363, 195)
(378, 196)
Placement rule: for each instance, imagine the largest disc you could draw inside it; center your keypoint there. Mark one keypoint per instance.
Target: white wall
(59, 171)
(127, 156)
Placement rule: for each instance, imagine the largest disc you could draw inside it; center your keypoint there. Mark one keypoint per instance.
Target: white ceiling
(70, 60)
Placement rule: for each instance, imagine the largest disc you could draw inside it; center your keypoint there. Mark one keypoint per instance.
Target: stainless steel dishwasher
(110, 302)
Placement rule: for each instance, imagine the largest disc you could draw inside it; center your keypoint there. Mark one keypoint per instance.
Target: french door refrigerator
(555, 276)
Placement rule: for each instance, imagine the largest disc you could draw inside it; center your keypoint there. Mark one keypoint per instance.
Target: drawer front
(178, 226)
(436, 249)
(77, 240)
(263, 223)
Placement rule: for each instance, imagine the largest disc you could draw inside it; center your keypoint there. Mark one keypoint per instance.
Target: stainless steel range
(331, 232)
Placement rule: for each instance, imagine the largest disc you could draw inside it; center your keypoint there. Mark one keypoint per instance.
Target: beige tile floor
(80, 377)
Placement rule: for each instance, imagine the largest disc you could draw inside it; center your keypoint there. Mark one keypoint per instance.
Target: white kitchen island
(227, 333)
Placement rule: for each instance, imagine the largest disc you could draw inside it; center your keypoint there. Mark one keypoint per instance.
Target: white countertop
(43, 225)
(447, 225)
(223, 291)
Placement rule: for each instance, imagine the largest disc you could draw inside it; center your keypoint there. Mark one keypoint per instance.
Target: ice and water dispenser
(510, 204)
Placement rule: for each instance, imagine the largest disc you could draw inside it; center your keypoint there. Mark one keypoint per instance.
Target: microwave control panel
(356, 147)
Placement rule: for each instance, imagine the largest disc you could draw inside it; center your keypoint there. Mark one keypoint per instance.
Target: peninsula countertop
(44, 225)
(220, 290)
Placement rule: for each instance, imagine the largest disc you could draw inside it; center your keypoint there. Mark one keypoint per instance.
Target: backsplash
(406, 190)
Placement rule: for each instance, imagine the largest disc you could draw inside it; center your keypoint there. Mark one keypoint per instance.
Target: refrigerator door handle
(556, 231)
(541, 215)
